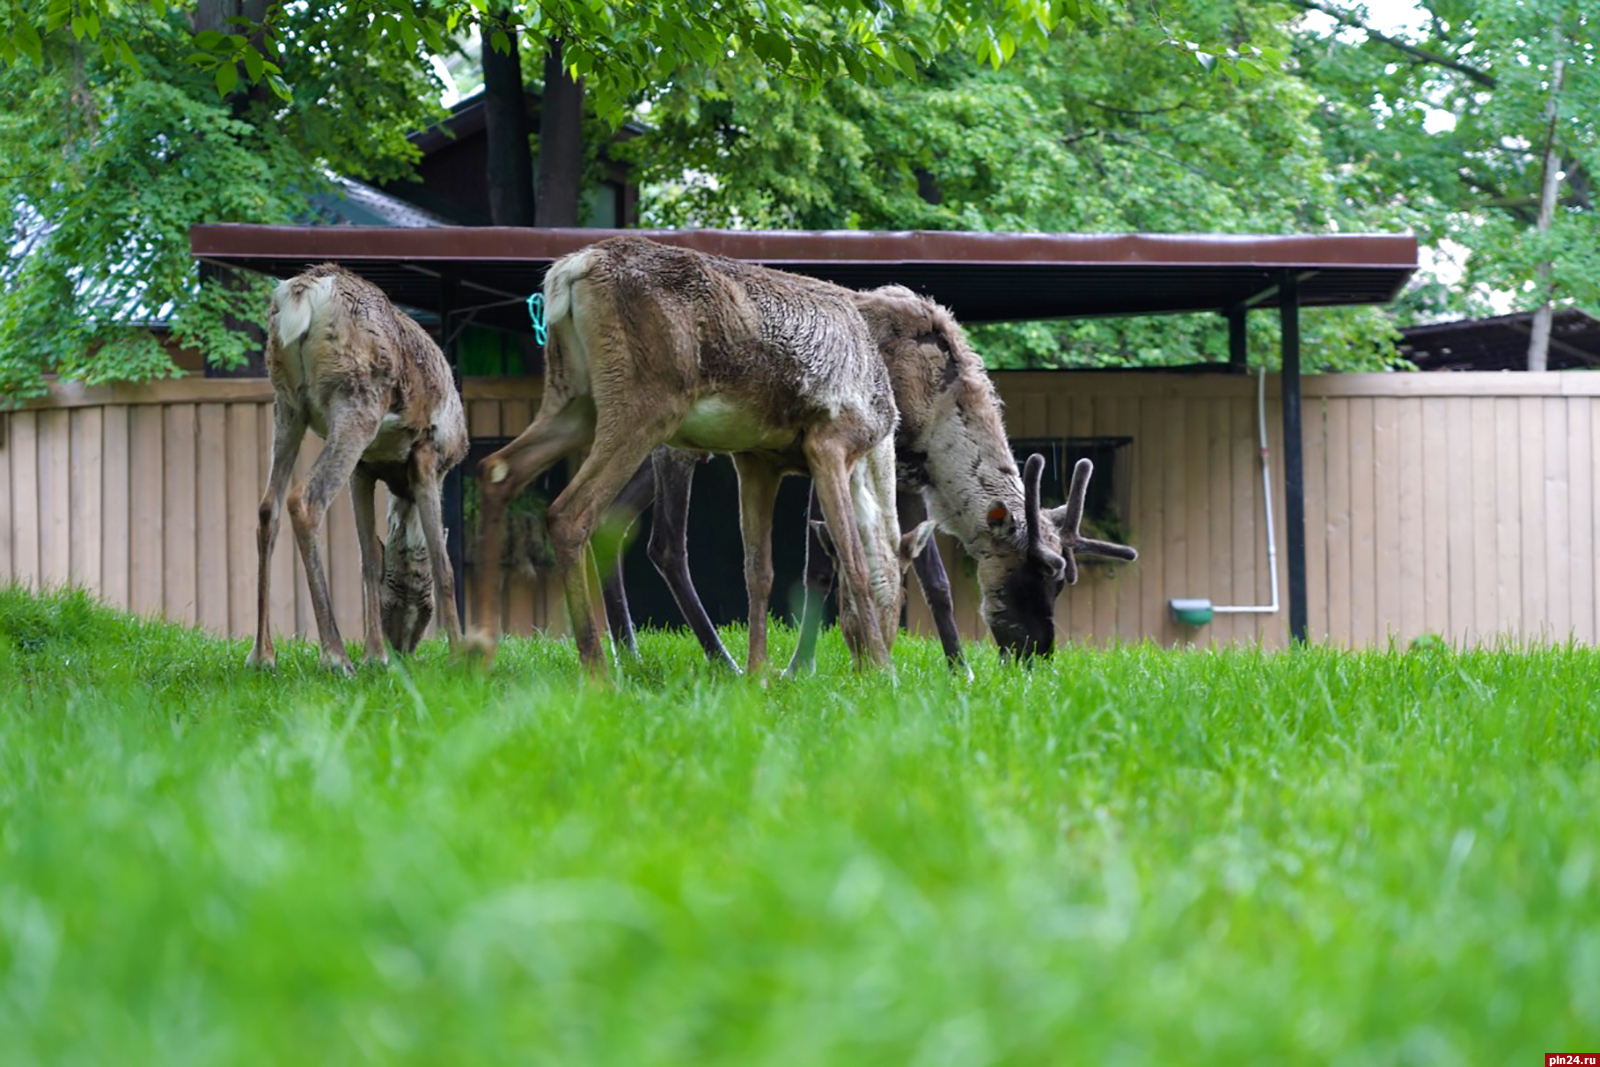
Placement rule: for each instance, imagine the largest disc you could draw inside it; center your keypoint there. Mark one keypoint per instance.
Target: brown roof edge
(495, 243)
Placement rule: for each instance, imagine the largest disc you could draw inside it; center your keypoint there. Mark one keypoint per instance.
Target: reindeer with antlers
(952, 457)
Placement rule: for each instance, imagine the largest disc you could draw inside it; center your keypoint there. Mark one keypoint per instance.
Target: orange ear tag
(997, 513)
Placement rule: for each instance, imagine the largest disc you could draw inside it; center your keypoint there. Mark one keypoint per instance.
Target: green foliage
(1138, 855)
(1447, 125)
(1104, 130)
(108, 164)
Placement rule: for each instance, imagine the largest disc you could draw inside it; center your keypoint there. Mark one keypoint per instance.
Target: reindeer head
(405, 598)
(1028, 568)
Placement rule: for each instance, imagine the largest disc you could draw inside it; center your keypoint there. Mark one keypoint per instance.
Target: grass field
(1125, 857)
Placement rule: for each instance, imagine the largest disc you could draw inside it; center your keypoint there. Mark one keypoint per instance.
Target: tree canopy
(124, 121)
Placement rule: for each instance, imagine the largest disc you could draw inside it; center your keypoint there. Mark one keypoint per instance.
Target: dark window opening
(1105, 506)
(716, 547)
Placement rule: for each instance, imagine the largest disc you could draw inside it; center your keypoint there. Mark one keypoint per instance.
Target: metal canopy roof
(981, 277)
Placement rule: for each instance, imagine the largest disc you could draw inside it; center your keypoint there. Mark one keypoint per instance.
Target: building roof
(981, 277)
(1501, 342)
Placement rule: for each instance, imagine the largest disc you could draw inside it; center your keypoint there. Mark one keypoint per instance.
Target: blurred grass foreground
(1135, 856)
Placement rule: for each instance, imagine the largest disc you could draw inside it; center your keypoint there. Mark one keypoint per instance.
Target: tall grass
(1133, 856)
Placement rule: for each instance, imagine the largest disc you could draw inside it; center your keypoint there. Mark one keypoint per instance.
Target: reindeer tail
(294, 303)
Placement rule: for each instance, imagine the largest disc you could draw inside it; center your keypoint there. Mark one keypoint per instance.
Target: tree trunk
(214, 15)
(1539, 340)
(510, 165)
(560, 143)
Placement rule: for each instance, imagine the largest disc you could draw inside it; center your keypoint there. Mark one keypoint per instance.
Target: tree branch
(1344, 18)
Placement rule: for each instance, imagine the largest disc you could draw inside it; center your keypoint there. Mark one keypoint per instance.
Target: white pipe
(1266, 494)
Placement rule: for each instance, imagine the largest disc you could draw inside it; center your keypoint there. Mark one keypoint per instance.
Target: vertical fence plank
(146, 427)
(55, 498)
(1485, 544)
(1338, 522)
(8, 507)
(1557, 508)
(85, 522)
(1363, 523)
(1314, 464)
(1535, 612)
(1415, 547)
(1387, 460)
(243, 499)
(1508, 526)
(1109, 421)
(179, 512)
(1244, 462)
(1074, 417)
(116, 475)
(285, 571)
(1150, 495)
(1581, 540)
(24, 448)
(215, 568)
(1593, 446)
(1129, 624)
(344, 564)
(1458, 478)
(1216, 561)
(1436, 516)
(1174, 579)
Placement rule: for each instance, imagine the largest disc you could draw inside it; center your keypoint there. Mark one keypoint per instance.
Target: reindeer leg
(621, 444)
(758, 493)
(858, 617)
(935, 585)
(362, 488)
(625, 511)
(288, 430)
(426, 483)
(669, 547)
(350, 433)
(501, 477)
(820, 573)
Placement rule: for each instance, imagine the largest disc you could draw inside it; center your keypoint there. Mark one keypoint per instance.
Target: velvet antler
(1069, 517)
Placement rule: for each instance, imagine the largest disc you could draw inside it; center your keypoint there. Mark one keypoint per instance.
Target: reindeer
(954, 458)
(362, 374)
(650, 345)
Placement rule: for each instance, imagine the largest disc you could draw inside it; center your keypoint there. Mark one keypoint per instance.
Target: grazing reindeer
(362, 374)
(953, 457)
(650, 344)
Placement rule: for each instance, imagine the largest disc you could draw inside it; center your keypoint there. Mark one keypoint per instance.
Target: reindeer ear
(913, 543)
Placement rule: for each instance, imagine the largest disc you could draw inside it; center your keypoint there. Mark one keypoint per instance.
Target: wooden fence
(1456, 504)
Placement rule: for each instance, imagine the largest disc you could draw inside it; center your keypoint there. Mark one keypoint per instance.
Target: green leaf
(500, 42)
(227, 78)
(254, 64)
(125, 53)
(208, 40)
(27, 40)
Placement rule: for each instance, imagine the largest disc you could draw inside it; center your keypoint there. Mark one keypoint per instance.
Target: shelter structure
(1500, 343)
(484, 275)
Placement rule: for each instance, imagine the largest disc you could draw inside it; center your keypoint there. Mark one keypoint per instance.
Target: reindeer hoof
(339, 665)
(261, 661)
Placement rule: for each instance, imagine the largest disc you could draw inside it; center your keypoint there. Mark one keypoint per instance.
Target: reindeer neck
(963, 466)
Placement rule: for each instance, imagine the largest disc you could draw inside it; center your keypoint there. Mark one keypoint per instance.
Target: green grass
(1125, 857)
